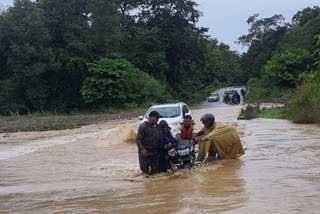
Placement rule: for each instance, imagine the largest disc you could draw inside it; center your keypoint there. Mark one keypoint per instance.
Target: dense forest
(61, 56)
(284, 59)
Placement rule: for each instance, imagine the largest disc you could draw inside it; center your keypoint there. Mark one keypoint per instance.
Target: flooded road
(95, 170)
(220, 103)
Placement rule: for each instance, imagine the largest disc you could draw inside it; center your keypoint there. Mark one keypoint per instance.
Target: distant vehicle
(172, 113)
(213, 97)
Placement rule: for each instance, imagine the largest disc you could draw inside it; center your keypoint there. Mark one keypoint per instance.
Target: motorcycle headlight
(172, 152)
(183, 152)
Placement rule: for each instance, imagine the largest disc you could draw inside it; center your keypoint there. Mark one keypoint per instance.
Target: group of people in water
(154, 140)
(233, 96)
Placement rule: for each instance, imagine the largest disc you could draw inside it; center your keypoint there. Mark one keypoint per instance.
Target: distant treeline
(284, 59)
(60, 56)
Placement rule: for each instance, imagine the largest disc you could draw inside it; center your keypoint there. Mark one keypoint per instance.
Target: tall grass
(304, 106)
(262, 90)
(250, 112)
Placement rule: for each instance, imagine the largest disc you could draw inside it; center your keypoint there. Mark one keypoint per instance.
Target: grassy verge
(253, 111)
(74, 113)
(249, 112)
(273, 113)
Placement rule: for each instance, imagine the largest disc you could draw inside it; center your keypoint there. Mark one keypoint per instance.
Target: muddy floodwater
(95, 169)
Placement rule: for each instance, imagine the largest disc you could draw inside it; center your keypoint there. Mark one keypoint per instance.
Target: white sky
(226, 19)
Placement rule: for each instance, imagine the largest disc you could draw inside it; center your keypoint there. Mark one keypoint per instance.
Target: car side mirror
(140, 117)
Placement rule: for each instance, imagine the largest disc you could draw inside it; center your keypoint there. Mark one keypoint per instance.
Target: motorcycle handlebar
(195, 141)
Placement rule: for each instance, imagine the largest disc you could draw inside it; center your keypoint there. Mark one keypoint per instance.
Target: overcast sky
(226, 19)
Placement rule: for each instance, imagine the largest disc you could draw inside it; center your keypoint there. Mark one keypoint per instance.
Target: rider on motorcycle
(186, 130)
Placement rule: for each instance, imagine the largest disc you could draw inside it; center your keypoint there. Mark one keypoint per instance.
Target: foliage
(305, 25)
(284, 68)
(51, 50)
(316, 71)
(263, 37)
(273, 113)
(213, 87)
(262, 90)
(279, 57)
(25, 57)
(260, 28)
(250, 112)
(222, 65)
(148, 52)
(304, 16)
(46, 45)
(304, 107)
(118, 82)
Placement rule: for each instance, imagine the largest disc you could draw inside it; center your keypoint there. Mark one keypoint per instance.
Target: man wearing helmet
(219, 139)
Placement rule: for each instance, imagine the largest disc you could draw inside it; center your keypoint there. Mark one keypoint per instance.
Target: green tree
(316, 55)
(118, 82)
(262, 39)
(305, 26)
(26, 58)
(179, 46)
(222, 64)
(260, 28)
(284, 68)
(82, 31)
(302, 17)
(147, 53)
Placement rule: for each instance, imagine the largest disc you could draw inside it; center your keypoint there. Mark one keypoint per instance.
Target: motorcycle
(183, 155)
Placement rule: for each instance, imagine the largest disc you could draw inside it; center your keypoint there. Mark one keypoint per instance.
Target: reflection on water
(100, 174)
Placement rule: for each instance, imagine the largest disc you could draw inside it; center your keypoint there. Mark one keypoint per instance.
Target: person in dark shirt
(243, 92)
(167, 143)
(149, 140)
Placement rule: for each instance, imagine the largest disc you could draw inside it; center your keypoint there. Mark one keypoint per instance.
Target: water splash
(122, 134)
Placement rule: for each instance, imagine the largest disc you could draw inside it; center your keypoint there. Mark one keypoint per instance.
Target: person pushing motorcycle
(149, 141)
(219, 140)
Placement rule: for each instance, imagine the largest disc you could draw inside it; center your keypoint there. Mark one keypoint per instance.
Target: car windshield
(213, 94)
(166, 112)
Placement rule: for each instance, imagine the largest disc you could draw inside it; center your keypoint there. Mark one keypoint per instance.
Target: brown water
(95, 170)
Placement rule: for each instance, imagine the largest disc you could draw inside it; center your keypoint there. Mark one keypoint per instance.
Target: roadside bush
(262, 90)
(118, 83)
(273, 113)
(304, 106)
(257, 91)
(250, 112)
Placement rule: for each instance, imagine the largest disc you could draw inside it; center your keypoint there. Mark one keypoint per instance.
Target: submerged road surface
(95, 170)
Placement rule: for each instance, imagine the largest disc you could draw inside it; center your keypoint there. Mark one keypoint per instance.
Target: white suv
(172, 113)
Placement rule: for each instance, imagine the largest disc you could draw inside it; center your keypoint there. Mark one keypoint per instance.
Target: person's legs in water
(203, 150)
(144, 164)
(154, 162)
(163, 160)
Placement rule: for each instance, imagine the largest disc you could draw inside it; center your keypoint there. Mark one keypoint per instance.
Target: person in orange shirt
(186, 130)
